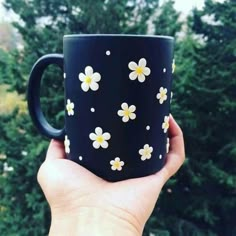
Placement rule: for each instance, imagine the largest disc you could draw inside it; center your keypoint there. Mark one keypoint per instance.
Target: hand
(83, 204)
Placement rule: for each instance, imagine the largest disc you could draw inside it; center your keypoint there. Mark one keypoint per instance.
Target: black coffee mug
(117, 102)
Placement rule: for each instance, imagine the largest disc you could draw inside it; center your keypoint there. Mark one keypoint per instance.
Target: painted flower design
(99, 138)
(70, 107)
(146, 152)
(139, 70)
(162, 95)
(89, 79)
(67, 144)
(127, 112)
(173, 66)
(167, 145)
(116, 164)
(165, 124)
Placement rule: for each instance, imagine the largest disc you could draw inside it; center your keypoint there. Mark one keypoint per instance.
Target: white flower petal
(132, 116)
(85, 87)
(96, 77)
(151, 149)
(142, 62)
(93, 136)
(88, 71)
(122, 163)
(141, 78)
(143, 158)
(104, 144)
(132, 65)
(125, 119)
(67, 149)
(120, 113)
(119, 168)
(98, 131)
(112, 162)
(141, 151)
(94, 86)
(96, 144)
(71, 113)
(117, 159)
(133, 75)
(82, 77)
(124, 106)
(113, 167)
(106, 136)
(148, 156)
(146, 146)
(132, 108)
(146, 71)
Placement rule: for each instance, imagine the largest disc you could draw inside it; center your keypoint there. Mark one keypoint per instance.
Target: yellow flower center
(166, 125)
(88, 80)
(146, 152)
(139, 70)
(163, 94)
(116, 164)
(69, 108)
(127, 112)
(99, 139)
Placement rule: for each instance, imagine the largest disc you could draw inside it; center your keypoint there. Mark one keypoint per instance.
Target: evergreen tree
(202, 201)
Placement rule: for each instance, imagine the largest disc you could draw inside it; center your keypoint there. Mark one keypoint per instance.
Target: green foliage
(201, 199)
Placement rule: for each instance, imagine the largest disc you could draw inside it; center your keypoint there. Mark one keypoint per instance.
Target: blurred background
(201, 199)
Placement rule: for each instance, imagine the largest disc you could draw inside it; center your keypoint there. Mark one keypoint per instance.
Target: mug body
(117, 100)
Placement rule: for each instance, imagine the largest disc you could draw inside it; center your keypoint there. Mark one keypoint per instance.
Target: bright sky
(185, 6)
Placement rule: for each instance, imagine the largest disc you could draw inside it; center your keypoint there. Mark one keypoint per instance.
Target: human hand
(83, 204)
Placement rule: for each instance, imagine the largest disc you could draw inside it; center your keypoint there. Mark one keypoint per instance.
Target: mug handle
(33, 96)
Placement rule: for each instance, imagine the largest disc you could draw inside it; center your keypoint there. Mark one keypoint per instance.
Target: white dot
(64, 75)
(160, 156)
(148, 127)
(92, 109)
(164, 70)
(80, 158)
(108, 53)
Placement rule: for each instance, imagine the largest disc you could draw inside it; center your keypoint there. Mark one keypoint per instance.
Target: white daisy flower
(139, 70)
(67, 144)
(165, 124)
(99, 138)
(173, 66)
(162, 95)
(70, 107)
(127, 112)
(116, 164)
(89, 79)
(146, 152)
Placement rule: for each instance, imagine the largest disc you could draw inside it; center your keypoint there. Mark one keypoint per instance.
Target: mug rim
(67, 36)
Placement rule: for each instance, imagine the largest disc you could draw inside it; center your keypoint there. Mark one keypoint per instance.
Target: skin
(83, 204)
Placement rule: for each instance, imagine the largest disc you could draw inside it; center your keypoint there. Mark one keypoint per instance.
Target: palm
(70, 187)
(132, 198)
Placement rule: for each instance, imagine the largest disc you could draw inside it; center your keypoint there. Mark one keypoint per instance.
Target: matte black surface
(115, 88)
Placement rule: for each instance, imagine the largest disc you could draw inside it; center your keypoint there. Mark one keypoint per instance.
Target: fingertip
(55, 150)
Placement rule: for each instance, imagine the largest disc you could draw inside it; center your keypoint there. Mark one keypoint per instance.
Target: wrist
(93, 222)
